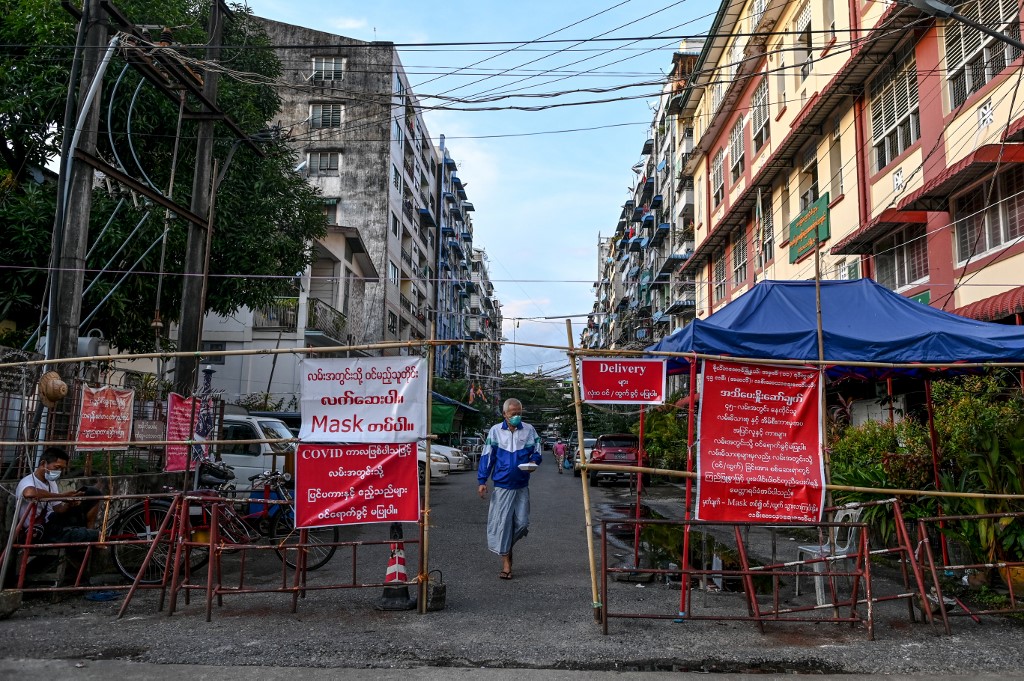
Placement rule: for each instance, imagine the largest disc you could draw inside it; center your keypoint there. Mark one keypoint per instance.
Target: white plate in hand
(528, 466)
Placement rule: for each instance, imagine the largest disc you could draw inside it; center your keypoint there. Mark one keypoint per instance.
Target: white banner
(364, 400)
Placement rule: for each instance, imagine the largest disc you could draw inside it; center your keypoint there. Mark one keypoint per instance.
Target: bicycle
(263, 521)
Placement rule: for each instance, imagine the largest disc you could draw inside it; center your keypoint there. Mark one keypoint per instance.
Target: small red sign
(759, 448)
(355, 484)
(182, 417)
(623, 381)
(106, 418)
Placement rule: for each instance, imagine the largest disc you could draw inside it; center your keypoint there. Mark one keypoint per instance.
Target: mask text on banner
(367, 399)
(759, 446)
(355, 484)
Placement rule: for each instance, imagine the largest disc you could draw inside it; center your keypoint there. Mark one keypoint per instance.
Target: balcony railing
(325, 319)
(281, 314)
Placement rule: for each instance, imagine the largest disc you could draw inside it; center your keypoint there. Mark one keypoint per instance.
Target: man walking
(510, 454)
(559, 450)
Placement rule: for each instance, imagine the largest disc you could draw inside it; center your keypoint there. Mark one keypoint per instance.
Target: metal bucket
(437, 591)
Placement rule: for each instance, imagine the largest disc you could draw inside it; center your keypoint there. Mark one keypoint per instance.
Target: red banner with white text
(355, 484)
(759, 444)
(106, 418)
(182, 417)
(623, 381)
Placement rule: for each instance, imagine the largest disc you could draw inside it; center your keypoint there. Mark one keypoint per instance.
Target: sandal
(505, 574)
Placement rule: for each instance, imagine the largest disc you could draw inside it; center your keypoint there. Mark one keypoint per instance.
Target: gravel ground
(542, 619)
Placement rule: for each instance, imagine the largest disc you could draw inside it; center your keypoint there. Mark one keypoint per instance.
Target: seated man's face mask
(515, 421)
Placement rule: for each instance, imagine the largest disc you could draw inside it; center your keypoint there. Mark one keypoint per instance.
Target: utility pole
(71, 226)
(193, 302)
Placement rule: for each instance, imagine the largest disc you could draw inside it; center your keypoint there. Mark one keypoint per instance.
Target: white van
(255, 458)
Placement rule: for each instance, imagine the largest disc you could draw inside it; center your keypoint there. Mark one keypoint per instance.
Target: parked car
(457, 461)
(615, 448)
(439, 466)
(588, 446)
(472, 446)
(255, 458)
(548, 443)
(573, 442)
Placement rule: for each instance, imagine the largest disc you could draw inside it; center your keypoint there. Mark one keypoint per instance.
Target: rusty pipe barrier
(747, 573)
(937, 603)
(25, 547)
(217, 543)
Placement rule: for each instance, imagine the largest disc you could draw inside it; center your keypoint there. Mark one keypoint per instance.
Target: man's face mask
(515, 421)
(53, 476)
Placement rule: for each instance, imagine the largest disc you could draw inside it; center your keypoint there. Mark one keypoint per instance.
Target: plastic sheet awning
(862, 321)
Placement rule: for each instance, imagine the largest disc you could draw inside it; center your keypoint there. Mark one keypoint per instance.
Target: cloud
(342, 24)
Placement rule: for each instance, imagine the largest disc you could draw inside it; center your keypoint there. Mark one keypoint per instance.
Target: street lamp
(935, 8)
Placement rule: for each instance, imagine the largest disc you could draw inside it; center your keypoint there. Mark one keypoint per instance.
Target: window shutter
(803, 21)
(954, 44)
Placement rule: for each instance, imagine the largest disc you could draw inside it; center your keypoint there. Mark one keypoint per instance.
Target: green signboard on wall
(802, 231)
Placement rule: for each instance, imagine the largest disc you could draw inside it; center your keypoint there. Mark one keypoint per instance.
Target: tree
(266, 215)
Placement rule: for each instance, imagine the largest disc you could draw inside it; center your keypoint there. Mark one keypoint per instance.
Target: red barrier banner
(759, 444)
(356, 484)
(623, 381)
(364, 399)
(182, 417)
(106, 417)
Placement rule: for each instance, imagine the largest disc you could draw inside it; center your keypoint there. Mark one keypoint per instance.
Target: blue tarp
(862, 321)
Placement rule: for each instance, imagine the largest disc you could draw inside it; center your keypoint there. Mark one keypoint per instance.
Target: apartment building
(861, 139)
(484, 324)
(640, 297)
(357, 127)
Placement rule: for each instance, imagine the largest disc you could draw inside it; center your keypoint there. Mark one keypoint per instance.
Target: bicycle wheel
(284, 536)
(142, 521)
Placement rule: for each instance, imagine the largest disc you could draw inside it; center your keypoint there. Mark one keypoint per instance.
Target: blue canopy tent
(862, 321)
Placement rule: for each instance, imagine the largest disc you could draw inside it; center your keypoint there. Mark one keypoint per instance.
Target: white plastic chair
(845, 541)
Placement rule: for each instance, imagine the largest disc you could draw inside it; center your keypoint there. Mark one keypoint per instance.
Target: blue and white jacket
(504, 450)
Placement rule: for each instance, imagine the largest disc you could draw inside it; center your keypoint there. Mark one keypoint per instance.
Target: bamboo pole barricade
(573, 354)
(588, 516)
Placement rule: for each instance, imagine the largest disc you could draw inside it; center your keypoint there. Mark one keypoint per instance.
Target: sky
(542, 195)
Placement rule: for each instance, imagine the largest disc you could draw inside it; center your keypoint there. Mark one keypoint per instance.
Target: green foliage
(665, 435)
(266, 216)
(545, 400)
(980, 421)
(883, 455)
(901, 452)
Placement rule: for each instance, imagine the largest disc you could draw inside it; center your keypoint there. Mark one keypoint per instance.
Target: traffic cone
(396, 597)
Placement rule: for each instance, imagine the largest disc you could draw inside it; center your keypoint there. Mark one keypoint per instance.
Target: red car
(620, 449)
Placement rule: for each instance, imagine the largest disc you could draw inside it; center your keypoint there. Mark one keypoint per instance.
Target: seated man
(58, 517)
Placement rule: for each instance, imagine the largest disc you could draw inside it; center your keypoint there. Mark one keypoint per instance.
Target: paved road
(542, 619)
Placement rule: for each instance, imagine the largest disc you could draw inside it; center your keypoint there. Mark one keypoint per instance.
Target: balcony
(407, 258)
(426, 219)
(660, 233)
(648, 190)
(281, 315)
(324, 321)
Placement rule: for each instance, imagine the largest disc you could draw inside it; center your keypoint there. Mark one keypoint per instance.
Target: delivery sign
(367, 399)
(355, 484)
(623, 381)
